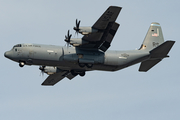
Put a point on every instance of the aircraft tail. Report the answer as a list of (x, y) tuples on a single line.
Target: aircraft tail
[(156, 55), (154, 37)]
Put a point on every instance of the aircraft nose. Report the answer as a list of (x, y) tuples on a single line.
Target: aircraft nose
[(6, 54)]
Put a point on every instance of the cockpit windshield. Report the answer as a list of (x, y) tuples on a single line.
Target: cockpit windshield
[(18, 45)]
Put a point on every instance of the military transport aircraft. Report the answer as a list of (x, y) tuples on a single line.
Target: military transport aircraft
[(91, 51)]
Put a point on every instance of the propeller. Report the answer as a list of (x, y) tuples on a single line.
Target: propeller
[(77, 26), (68, 38), (42, 68)]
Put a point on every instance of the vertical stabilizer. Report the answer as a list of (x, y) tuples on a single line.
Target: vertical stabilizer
[(154, 37)]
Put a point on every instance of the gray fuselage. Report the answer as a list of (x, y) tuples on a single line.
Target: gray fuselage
[(68, 58)]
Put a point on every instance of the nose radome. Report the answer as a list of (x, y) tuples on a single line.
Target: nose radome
[(6, 54)]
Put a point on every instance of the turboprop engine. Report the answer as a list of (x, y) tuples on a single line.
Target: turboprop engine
[(83, 30), (74, 41), (49, 70), (77, 42), (86, 30)]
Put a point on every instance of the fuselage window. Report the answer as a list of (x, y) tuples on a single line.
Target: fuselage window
[(16, 50)]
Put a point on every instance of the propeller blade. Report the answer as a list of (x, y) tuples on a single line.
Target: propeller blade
[(42, 68), (78, 24), (68, 33), (41, 73), (76, 28), (68, 38)]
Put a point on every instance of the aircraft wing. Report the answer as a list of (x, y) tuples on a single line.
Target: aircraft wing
[(55, 78), (106, 27)]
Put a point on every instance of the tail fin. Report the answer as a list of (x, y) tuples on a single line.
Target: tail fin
[(154, 37)]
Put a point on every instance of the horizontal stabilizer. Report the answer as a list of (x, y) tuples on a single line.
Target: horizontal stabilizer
[(146, 65), (156, 55), (162, 50)]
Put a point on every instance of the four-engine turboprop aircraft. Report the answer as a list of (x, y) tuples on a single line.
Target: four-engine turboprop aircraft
[(91, 51)]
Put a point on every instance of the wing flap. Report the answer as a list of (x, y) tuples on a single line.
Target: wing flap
[(101, 40), (108, 37), (106, 27)]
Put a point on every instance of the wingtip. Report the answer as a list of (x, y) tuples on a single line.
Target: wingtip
[(46, 85), (155, 24), (115, 7)]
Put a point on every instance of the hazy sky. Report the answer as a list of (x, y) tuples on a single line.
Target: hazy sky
[(123, 95)]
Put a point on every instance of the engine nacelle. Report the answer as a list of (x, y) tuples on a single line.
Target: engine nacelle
[(51, 70), (77, 41), (87, 30)]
